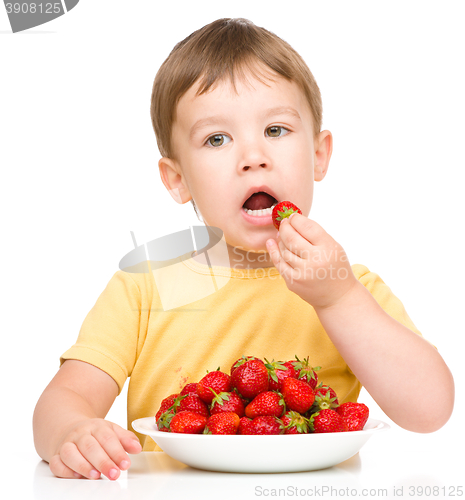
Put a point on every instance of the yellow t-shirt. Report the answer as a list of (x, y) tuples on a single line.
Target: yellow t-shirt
[(134, 331)]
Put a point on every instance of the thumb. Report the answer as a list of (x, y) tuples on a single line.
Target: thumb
[(308, 228)]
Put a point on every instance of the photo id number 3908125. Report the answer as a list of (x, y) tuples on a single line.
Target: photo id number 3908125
[(34, 8), (434, 491)]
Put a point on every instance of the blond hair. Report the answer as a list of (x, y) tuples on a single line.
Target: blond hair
[(221, 49)]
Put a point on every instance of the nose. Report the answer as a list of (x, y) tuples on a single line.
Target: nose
[(253, 156), (246, 167)]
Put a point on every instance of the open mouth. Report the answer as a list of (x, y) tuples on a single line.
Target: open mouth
[(260, 203)]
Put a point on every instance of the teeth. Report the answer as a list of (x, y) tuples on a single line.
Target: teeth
[(257, 213)]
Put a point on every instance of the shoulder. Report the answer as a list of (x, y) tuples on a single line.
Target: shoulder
[(373, 283), (383, 295), (132, 285), (368, 278)]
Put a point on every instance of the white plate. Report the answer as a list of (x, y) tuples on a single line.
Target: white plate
[(283, 453)]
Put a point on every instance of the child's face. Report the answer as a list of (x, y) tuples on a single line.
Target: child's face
[(229, 145)]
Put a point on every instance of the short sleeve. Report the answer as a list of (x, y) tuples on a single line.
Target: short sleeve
[(384, 296), (109, 334)]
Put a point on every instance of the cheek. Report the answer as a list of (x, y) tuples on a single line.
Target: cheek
[(208, 190), (297, 149), (302, 188)]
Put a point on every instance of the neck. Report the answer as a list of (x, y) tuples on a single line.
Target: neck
[(235, 258)]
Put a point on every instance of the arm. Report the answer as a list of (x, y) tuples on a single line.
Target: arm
[(403, 373), (69, 427), (401, 370)]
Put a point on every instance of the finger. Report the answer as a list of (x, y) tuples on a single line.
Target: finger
[(92, 451), (289, 256), (282, 266), (295, 242), (128, 439), (72, 458), (112, 446), (308, 228), (59, 469)]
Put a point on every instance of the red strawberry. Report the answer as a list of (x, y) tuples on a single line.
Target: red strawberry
[(164, 420), (227, 402), (355, 415), (294, 423), (245, 426), (250, 378), (327, 421), (222, 423), (278, 371), (218, 381), (325, 398), (189, 389), (241, 361), (297, 394), (283, 210), (306, 372), (165, 404), (188, 422), (266, 403), (193, 403), (266, 425)]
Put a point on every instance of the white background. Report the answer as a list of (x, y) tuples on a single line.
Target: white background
[(79, 171)]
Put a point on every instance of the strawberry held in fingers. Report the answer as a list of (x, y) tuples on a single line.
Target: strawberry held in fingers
[(282, 211)]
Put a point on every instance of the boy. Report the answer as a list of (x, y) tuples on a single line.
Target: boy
[(237, 115)]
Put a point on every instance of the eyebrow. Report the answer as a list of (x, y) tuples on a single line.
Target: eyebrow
[(218, 119), (282, 110), (205, 122)]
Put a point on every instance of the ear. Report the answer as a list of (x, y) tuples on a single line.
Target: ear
[(323, 151), (174, 181)]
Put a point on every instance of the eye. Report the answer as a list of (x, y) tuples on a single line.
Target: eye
[(218, 140), (276, 131)]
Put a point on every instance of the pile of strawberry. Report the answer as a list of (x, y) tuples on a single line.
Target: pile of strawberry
[(259, 397)]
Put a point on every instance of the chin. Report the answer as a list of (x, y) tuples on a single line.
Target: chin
[(259, 248)]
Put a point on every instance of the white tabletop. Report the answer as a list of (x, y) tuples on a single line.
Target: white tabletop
[(392, 464)]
